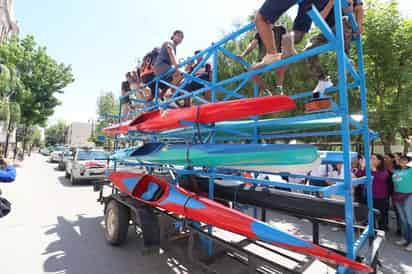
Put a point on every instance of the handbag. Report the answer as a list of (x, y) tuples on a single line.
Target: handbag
[(5, 207)]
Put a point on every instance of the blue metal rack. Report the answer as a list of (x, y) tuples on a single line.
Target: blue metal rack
[(348, 126)]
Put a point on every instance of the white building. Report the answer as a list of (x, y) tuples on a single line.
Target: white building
[(78, 133)]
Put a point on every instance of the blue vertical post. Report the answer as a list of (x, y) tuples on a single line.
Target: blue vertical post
[(214, 81), (366, 134), (344, 112), (211, 197)]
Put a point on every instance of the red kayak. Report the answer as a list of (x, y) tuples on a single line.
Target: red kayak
[(159, 193), (121, 128), (160, 120)]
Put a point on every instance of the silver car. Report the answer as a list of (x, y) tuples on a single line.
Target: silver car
[(56, 153), (87, 164), (66, 156)]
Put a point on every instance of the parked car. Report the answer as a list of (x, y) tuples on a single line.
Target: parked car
[(45, 151), (56, 153), (87, 164), (66, 156)]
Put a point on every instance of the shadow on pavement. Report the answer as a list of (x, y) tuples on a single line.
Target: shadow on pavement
[(81, 248), (66, 182)]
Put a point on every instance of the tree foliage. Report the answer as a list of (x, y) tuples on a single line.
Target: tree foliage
[(107, 104), (56, 134), (31, 79)]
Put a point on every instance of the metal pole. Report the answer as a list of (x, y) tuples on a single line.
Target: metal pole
[(344, 112)]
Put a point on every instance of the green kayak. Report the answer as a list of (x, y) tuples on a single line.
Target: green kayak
[(222, 154), (266, 126)]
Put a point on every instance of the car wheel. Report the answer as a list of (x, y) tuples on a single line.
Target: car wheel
[(73, 180), (116, 220)]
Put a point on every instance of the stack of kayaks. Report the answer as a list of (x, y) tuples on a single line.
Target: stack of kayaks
[(156, 192)]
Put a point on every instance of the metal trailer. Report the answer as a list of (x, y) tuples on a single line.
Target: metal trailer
[(339, 109), (161, 229)]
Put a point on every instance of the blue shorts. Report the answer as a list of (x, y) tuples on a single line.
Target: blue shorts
[(271, 10)]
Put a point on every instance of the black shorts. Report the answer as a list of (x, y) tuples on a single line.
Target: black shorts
[(302, 21), (126, 99), (193, 85), (271, 10), (146, 79)]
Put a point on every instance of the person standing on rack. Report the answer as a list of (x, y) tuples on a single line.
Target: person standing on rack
[(284, 41), (204, 73), (315, 66), (278, 32), (380, 188), (402, 180), (147, 69), (125, 89), (167, 60), (269, 13)]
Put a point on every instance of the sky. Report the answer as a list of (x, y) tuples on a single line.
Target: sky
[(103, 39)]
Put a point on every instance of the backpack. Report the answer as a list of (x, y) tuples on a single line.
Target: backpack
[(148, 62)]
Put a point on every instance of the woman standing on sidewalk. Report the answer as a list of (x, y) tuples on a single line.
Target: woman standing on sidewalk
[(402, 180), (380, 188)]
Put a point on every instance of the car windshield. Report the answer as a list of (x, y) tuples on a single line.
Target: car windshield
[(92, 155), (58, 149)]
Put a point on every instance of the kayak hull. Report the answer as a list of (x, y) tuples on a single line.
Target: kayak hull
[(270, 198), (160, 120), (180, 201), (226, 155), (267, 126)]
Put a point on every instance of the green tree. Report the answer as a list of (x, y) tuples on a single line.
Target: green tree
[(388, 67), (36, 79), (56, 133), (36, 138), (107, 109)]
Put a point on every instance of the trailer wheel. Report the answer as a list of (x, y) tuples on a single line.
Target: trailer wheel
[(116, 219)]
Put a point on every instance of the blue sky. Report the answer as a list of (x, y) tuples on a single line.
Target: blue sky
[(102, 39)]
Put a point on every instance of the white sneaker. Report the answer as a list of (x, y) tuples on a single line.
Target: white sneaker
[(321, 87), (402, 242), (409, 247)]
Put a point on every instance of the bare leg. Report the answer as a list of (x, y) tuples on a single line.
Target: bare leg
[(259, 81), (266, 34)]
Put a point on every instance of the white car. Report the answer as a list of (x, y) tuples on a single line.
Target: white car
[(55, 155), (87, 164)]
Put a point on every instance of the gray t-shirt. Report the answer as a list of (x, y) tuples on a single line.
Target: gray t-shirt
[(163, 62)]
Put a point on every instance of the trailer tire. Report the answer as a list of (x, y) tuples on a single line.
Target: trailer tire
[(116, 220)]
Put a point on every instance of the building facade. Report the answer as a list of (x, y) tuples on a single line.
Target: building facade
[(78, 133)]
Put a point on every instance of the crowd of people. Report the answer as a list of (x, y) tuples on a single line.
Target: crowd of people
[(274, 42), (391, 188)]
